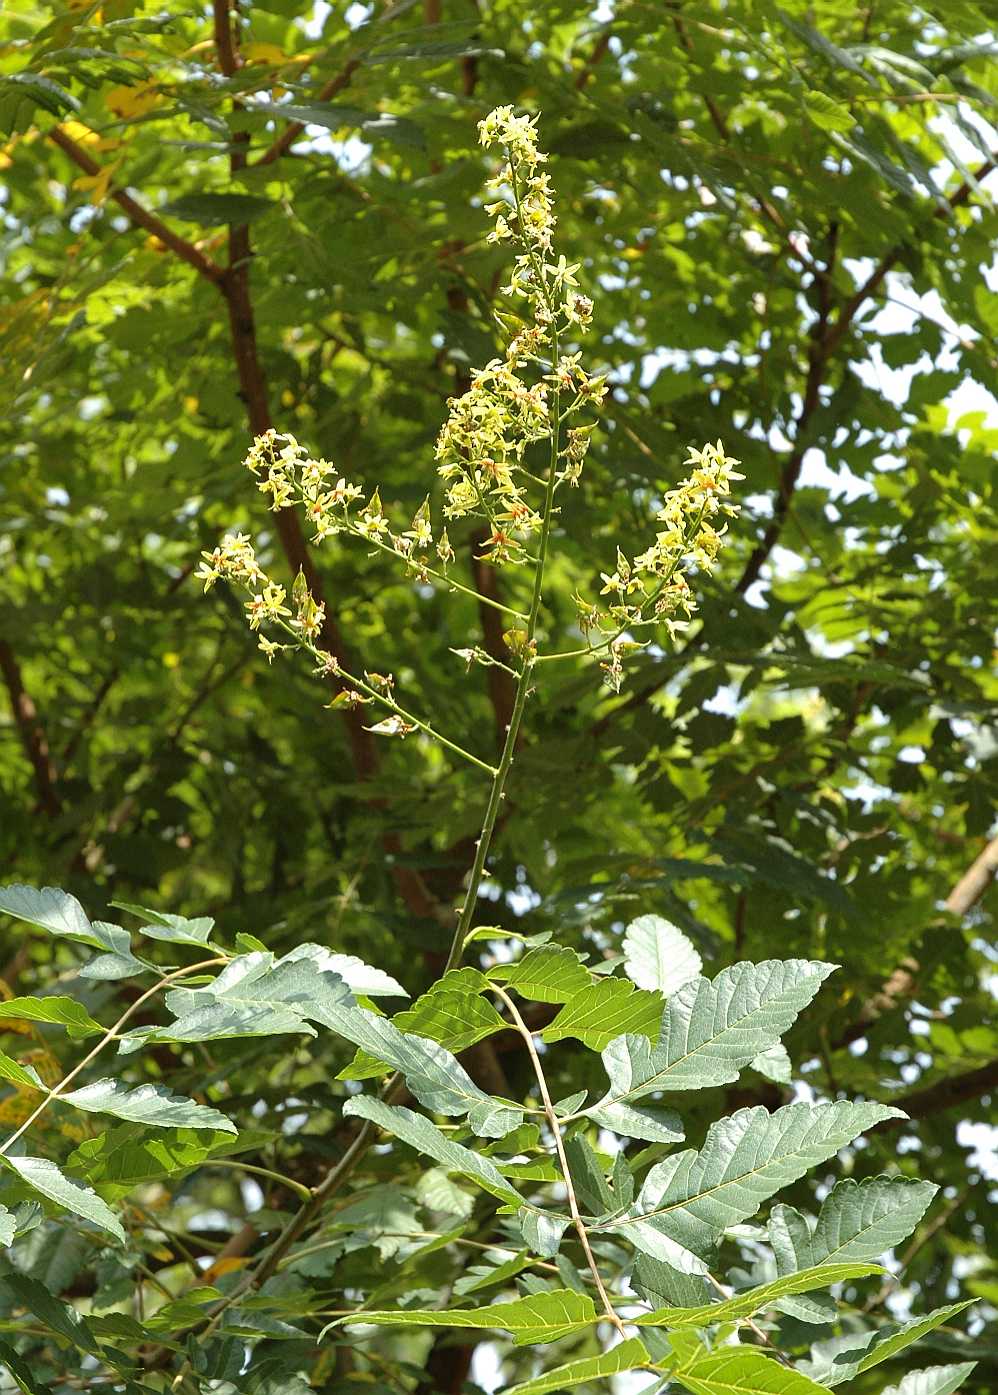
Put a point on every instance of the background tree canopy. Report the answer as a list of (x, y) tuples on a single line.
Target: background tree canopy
[(785, 218)]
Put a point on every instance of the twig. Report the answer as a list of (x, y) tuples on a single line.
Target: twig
[(555, 1127), (138, 214), (109, 1036)]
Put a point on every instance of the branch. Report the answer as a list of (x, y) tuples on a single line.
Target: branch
[(975, 881), (137, 214), (902, 982), (945, 1095), (589, 67), (873, 282), (31, 732), (235, 287), (819, 356)]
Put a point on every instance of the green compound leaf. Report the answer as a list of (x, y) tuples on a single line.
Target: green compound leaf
[(628, 1356), (153, 1105), (550, 974), (658, 956), (712, 1028), (935, 1380), (254, 989), (44, 1177), (57, 1316), (21, 1373), (174, 929), (841, 1358), (744, 1305), (452, 1013), (859, 1220), (64, 1012), (605, 1010), (690, 1198), (424, 1136), (50, 909), (741, 1371), (543, 1317)]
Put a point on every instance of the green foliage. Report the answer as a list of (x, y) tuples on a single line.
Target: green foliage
[(202, 241)]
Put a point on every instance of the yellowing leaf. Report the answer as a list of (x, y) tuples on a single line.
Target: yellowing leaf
[(133, 101), (264, 53), (99, 184)]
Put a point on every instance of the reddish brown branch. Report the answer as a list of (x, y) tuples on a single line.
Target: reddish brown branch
[(588, 68), (137, 214), (945, 1095), (235, 287), (876, 278), (31, 732)]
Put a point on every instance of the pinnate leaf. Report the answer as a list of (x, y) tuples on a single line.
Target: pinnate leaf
[(627, 1356), (543, 1317), (690, 1198), (259, 988), (841, 1358), (421, 1134), (658, 956), (153, 1105), (859, 1220), (604, 1010), (42, 1176), (712, 1028)]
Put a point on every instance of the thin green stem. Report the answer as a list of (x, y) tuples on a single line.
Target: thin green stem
[(439, 576), (690, 533), (497, 792), (342, 1171), (386, 700), (108, 1036), (555, 1127), (298, 1188)]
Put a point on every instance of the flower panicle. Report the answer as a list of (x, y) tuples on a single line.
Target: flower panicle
[(484, 444), (533, 392), (652, 588)]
